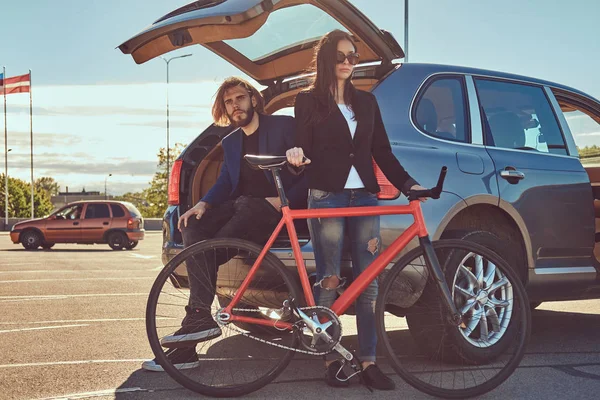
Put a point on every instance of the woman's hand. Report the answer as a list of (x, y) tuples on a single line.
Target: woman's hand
[(198, 210), (295, 157), (419, 187)]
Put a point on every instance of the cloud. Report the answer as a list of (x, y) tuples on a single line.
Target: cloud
[(21, 139), (172, 124), (99, 111)]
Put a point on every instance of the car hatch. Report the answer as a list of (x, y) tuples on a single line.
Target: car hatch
[(269, 40)]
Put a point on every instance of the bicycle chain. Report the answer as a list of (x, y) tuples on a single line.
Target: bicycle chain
[(312, 353)]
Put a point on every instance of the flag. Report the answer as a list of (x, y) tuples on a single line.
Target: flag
[(16, 84)]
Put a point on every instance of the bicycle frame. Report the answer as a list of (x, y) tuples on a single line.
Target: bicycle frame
[(417, 228)]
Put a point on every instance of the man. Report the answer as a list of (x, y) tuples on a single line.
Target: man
[(243, 204)]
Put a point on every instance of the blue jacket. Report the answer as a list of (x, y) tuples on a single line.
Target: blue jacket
[(276, 136)]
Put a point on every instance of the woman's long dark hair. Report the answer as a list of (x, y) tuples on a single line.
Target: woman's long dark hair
[(324, 85)]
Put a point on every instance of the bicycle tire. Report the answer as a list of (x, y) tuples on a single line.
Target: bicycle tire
[(414, 365), (271, 264)]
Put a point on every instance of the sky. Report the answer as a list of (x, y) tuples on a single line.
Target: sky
[(96, 112)]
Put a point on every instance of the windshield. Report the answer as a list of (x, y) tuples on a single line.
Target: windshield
[(286, 28)]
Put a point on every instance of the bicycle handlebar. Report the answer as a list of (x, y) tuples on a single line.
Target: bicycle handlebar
[(434, 192)]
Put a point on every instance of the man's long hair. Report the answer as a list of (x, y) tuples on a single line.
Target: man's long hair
[(219, 111)]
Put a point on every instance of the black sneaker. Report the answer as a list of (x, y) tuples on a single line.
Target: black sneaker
[(335, 375), (197, 326), (182, 358), (376, 379)]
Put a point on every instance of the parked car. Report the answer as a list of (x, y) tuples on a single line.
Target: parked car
[(515, 182), (118, 223)]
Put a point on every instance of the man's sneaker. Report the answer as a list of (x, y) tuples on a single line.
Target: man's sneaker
[(335, 375), (376, 379), (182, 358), (197, 326)]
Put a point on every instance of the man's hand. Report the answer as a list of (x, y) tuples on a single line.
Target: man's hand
[(295, 156), (419, 187), (198, 210), (275, 202)]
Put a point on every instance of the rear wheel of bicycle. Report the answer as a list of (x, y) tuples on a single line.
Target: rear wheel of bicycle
[(232, 364), (445, 360)]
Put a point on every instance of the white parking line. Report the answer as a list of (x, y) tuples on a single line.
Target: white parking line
[(6, 299), (77, 279), (83, 320), (11, 264), (77, 271), (135, 255), (99, 393), (44, 364), (43, 327)]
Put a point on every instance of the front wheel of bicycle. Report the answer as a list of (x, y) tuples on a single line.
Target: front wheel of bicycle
[(435, 356), (232, 364)]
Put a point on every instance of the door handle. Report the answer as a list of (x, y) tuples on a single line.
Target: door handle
[(105, 223), (512, 175), (75, 223)]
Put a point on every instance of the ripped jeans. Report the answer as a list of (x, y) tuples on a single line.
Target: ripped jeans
[(328, 239)]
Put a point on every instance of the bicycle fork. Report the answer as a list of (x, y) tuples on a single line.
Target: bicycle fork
[(431, 259)]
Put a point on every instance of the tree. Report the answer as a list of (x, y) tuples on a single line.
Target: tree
[(47, 184), (153, 201), (19, 199)]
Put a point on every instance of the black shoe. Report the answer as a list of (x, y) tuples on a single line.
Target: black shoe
[(197, 326), (182, 358), (335, 376), (376, 379)]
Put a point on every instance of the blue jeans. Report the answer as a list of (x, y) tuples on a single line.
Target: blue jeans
[(328, 238)]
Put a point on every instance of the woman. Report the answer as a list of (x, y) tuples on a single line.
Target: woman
[(339, 130)]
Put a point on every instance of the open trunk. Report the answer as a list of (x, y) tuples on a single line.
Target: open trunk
[(594, 174)]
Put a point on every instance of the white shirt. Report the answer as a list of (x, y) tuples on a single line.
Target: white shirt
[(353, 181)]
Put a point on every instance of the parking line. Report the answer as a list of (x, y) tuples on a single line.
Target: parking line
[(84, 320), (44, 364), (6, 265), (39, 328), (78, 270), (6, 299), (77, 279), (99, 393)]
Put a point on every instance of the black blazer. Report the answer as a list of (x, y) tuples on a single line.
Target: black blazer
[(332, 151)]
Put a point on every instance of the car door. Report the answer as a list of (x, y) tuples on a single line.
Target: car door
[(64, 226), (540, 177), (96, 222), (268, 40)]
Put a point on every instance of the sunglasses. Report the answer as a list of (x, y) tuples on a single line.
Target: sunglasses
[(352, 58)]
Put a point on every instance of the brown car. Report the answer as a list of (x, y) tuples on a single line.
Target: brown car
[(117, 223)]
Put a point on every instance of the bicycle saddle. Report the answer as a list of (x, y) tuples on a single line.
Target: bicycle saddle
[(265, 162)]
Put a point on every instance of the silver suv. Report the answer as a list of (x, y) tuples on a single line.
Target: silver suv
[(515, 182)]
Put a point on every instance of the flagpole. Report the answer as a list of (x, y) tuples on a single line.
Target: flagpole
[(31, 142), (5, 151)]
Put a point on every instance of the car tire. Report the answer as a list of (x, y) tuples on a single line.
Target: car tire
[(47, 246), (31, 240), (416, 321), (131, 244), (117, 240)]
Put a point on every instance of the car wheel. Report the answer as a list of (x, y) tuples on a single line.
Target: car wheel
[(47, 246), (31, 240), (117, 240), (420, 325), (131, 244)]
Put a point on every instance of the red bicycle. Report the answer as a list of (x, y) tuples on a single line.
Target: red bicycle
[(452, 317)]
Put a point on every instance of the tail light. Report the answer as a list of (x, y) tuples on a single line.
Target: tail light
[(174, 183), (130, 224), (388, 191), (134, 223)]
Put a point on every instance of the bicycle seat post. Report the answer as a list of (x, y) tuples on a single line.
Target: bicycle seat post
[(277, 178)]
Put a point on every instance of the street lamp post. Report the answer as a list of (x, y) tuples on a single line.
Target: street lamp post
[(105, 192), (405, 31), (167, 61)]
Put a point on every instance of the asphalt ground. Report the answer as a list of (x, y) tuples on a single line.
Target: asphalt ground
[(72, 326)]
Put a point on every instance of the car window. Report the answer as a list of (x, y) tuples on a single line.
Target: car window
[(286, 28), (440, 110), (133, 210), (97, 211), (585, 131), (71, 212), (518, 116), (117, 211)]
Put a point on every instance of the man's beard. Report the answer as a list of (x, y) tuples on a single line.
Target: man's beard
[(241, 123)]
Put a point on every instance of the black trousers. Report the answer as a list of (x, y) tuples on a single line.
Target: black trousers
[(249, 218)]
